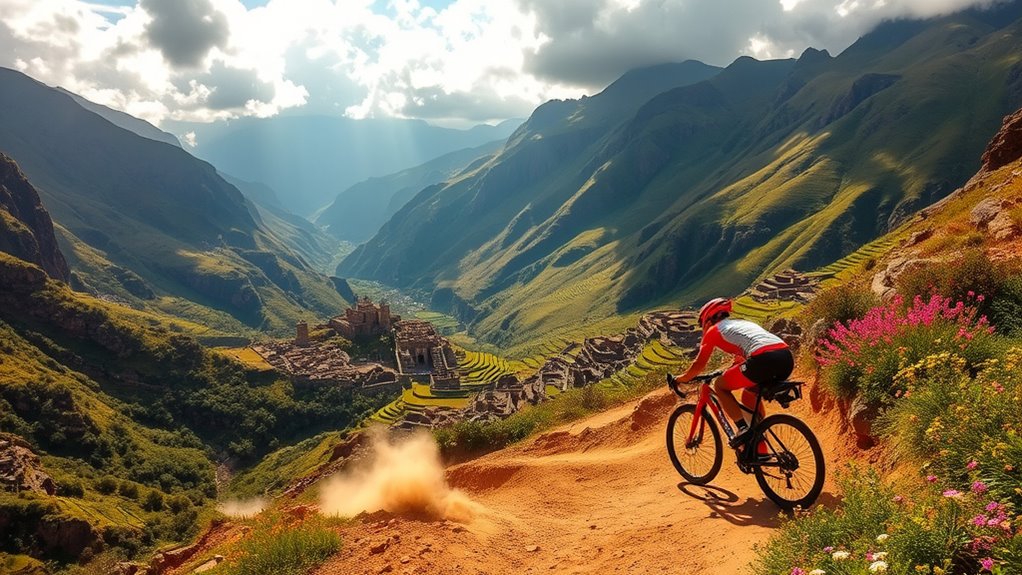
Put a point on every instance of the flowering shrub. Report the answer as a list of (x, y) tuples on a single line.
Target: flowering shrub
[(881, 530), (863, 355), (966, 429)]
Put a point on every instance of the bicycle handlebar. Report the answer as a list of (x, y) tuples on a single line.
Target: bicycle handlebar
[(705, 377)]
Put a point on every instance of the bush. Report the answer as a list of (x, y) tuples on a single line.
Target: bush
[(862, 356), (285, 550), (926, 529), (839, 304), (965, 429)]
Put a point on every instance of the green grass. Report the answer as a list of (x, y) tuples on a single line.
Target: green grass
[(277, 548)]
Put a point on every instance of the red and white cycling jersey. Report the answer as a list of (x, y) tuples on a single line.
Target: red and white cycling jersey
[(739, 337)]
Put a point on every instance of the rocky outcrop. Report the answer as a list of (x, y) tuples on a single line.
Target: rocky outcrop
[(26, 230), (1006, 147), (21, 469), (885, 281), (993, 215)]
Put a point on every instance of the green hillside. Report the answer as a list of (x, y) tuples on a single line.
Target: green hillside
[(145, 223), (149, 411), (595, 211)]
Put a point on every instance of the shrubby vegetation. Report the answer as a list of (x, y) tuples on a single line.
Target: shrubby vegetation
[(950, 398), (282, 547)]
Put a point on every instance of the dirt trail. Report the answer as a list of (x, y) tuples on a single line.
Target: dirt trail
[(598, 496)]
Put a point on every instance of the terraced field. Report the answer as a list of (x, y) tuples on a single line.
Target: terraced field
[(747, 308), (654, 357), (478, 369), (856, 262), (100, 513), (247, 356)]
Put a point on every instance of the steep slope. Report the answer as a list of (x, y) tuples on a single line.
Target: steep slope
[(705, 187), (126, 121), (26, 231), (128, 417), (144, 222), (359, 211), (310, 159)]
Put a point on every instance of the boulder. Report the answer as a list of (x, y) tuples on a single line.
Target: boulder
[(860, 416), (985, 211), (1003, 227), (885, 280)]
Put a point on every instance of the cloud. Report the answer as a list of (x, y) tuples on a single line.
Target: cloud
[(185, 30), (453, 62), (593, 42)]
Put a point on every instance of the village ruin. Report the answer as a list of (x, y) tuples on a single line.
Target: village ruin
[(312, 358)]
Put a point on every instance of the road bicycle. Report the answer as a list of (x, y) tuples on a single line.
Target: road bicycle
[(780, 450)]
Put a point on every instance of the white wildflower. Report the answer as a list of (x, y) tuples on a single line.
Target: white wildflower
[(882, 537), (841, 555), (817, 572), (880, 556), (878, 567)]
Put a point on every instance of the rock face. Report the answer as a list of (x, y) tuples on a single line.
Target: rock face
[(1006, 147), (20, 468), (26, 230), (993, 215)]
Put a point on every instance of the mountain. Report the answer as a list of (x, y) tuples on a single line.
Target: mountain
[(113, 422), (145, 223), (359, 211), (126, 121), (594, 211), (26, 231), (310, 159)]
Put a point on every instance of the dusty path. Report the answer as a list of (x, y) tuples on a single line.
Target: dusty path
[(599, 496)]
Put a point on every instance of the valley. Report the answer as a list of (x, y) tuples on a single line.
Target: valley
[(301, 343)]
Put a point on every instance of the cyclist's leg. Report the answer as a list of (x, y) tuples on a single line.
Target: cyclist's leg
[(732, 380)]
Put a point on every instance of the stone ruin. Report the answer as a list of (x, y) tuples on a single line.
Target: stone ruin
[(322, 363), (788, 285), (364, 319), (577, 365), (420, 350)]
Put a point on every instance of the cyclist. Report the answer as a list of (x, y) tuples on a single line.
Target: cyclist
[(760, 357)]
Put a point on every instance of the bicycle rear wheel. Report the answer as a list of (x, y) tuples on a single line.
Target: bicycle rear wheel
[(700, 461), (791, 470)]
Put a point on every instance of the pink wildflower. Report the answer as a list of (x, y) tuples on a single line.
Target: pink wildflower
[(979, 520), (992, 506), (979, 487), (987, 564), (797, 571), (898, 499), (931, 478), (828, 549), (972, 465), (980, 297), (950, 493)]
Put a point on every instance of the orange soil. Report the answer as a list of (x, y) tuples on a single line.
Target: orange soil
[(597, 496)]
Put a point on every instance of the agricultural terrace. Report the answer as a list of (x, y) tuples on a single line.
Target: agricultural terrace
[(478, 370)]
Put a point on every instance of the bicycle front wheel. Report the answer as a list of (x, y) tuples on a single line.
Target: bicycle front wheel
[(697, 461), (790, 467)]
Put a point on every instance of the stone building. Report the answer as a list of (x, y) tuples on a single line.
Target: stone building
[(364, 319), (420, 350)]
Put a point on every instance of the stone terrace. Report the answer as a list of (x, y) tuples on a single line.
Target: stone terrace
[(322, 363), (788, 285)]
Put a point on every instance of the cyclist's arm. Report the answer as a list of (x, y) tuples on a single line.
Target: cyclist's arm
[(705, 351)]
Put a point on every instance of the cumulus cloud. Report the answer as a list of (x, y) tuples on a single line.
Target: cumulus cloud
[(593, 42), (185, 30), (450, 61)]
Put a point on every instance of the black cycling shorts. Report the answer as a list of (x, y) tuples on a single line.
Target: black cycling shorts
[(769, 367)]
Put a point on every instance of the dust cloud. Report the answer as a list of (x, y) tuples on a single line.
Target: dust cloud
[(402, 476), (243, 507)]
